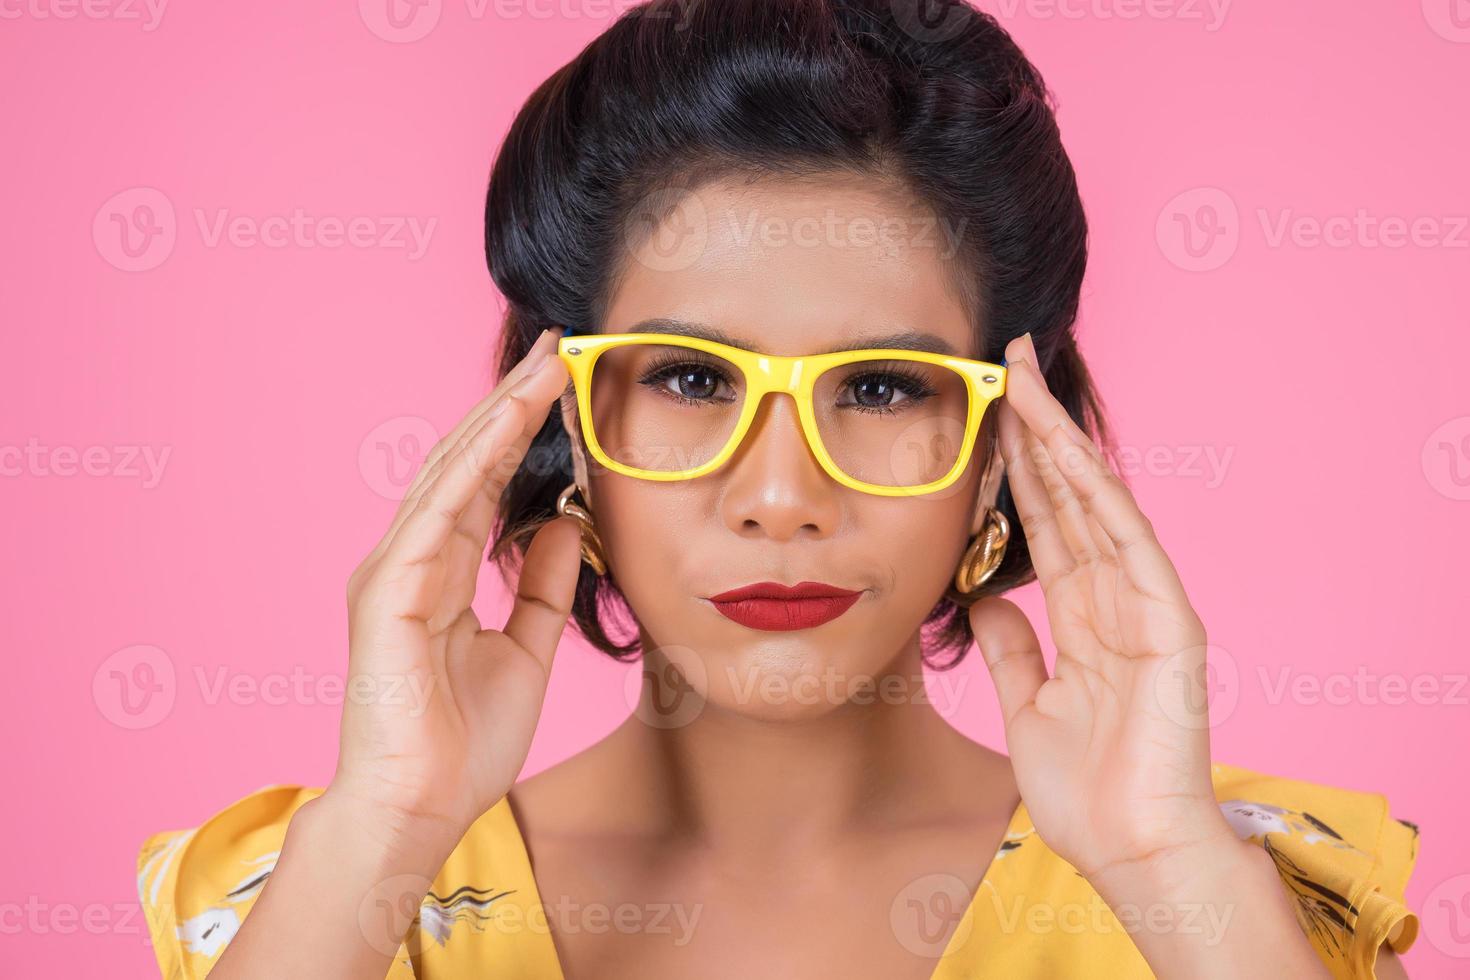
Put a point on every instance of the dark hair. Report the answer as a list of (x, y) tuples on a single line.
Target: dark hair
[(930, 95)]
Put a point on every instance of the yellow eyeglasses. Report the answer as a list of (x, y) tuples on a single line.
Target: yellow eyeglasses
[(659, 406)]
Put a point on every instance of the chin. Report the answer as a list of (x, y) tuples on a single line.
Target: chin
[(786, 677)]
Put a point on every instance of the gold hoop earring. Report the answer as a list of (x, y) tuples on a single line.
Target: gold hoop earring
[(984, 554), (591, 544)]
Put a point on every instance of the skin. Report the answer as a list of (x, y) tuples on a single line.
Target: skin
[(797, 820)]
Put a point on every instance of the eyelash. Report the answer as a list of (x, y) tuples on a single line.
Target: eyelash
[(671, 364), (910, 383)]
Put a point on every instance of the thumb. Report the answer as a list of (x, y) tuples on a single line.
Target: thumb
[(545, 588), (1011, 651)]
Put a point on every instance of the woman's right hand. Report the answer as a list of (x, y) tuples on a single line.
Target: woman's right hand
[(439, 713)]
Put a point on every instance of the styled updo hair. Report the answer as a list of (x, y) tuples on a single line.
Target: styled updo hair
[(929, 95)]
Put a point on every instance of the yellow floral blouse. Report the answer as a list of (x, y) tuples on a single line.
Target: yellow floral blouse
[(1340, 854)]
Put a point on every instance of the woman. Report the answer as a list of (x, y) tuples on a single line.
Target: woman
[(800, 280)]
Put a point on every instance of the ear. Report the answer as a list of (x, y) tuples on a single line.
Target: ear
[(989, 489)]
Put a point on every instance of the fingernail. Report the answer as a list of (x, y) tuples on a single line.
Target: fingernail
[(498, 408), (537, 361)]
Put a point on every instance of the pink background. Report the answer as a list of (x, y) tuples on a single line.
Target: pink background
[(1296, 405)]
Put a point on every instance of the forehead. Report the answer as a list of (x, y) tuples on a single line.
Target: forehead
[(787, 266)]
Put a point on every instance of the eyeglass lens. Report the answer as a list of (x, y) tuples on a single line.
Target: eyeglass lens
[(888, 422)]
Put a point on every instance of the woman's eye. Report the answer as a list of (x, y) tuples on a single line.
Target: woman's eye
[(690, 382), (696, 384), (874, 391)]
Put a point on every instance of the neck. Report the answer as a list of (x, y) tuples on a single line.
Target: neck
[(775, 766)]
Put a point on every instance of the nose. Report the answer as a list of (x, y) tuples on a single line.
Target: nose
[(774, 486)]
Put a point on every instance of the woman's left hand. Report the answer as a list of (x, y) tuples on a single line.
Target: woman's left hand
[(1111, 751)]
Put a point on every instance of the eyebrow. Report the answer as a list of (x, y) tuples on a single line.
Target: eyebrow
[(901, 340)]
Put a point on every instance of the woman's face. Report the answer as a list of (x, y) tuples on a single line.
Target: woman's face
[(785, 267)]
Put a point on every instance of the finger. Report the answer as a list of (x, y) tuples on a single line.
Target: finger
[(462, 559), (1101, 539), (536, 359), (472, 421), (545, 344), (534, 396), (545, 588), (1028, 394), (1050, 555), (466, 547), (1071, 516), (1103, 494), (1011, 650), (537, 391), (1083, 527), (436, 516), (1089, 480)]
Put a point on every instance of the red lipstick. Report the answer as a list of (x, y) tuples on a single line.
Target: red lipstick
[(773, 606)]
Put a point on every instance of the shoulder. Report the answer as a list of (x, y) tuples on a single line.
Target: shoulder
[(197, 883), (1342, 853), (1258, 804), (484, 906), (1343, 856)]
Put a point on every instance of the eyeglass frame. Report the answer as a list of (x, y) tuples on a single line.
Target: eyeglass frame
[(795, 375)]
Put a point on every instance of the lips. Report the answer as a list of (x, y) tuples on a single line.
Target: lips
[(772, 606)]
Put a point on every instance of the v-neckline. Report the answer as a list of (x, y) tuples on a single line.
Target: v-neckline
[(1018, 820)]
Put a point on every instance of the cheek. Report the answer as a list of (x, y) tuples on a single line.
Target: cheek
[(646, 533), (922, 543), (625, 514)]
